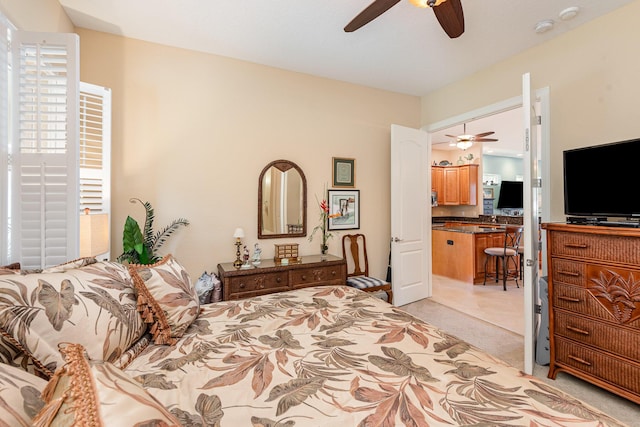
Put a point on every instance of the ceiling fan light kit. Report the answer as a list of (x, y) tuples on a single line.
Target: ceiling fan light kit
[(426, 3)]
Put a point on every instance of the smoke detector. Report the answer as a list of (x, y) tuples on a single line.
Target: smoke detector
[(544, 26), (569, 13)]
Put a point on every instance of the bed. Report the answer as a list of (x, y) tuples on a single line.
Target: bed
[(336, 356)]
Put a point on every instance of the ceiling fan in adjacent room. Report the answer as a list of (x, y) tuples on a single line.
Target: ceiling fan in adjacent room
[(466, 140), (448, 12)]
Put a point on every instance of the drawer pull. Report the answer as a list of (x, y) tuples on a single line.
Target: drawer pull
[(569, 299), (576, 245), (333, 272), (579, 331), (569, 273), (242, 286), (279, 279), (304, 277), (579, 360)]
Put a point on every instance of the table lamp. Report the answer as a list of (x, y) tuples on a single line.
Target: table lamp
[(238, 234)]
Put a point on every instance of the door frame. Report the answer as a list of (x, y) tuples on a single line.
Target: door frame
[(541, 97)]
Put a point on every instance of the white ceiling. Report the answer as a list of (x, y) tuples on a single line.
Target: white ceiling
[(404, 50)]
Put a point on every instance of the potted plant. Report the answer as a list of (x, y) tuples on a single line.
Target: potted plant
[(140, 247)]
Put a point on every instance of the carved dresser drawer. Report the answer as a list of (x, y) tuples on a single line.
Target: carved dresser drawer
[(594, 309), (270, 276), (317, 276), (258, 282)]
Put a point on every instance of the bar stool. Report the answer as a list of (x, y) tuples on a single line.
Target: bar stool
[(508, 252)]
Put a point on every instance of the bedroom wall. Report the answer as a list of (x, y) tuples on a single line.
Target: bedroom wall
[(50, 16), (192, 132), (592, 74)]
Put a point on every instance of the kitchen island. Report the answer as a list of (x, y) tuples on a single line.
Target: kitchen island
[(458, 249)]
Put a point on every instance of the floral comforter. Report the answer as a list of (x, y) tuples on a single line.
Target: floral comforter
[(335, 356)]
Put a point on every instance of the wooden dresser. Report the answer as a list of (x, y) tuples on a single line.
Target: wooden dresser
[(270, 277), (594, 305)]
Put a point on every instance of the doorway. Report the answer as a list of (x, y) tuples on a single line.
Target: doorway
[(466, 297)]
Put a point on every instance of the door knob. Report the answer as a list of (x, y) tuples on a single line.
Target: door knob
[(395, 239)]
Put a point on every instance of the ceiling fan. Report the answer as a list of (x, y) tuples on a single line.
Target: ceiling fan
[(448, 12), (466, 140)]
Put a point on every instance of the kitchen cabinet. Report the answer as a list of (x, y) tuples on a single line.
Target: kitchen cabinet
[(456, 185), (437, 181)]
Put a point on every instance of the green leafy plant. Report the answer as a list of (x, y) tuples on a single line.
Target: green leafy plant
[(139, 247)]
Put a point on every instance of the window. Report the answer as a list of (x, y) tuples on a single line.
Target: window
[(54, 149)]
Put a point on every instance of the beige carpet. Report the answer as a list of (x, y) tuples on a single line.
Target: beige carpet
[(508, 346)]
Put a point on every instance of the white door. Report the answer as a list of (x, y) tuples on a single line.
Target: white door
[(531, 214), (410, 215)]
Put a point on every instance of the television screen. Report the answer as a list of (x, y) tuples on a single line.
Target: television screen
[(601, 180), (510, 195)]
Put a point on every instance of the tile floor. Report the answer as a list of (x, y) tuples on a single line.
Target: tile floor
[(489, 303)]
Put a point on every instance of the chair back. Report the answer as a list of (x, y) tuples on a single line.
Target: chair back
[(355, 245), (512, 237)]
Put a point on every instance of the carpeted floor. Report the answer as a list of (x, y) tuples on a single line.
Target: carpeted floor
[(508, 346)]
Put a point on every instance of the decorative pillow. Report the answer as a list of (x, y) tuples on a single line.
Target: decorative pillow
[(70, 265), (94, 305), (166, 298), (88, 393), (19, 396)]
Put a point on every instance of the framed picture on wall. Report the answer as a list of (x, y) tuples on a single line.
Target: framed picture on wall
[(344, 209), (344, 172)]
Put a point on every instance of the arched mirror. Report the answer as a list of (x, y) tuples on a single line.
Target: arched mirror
[(282, 201)]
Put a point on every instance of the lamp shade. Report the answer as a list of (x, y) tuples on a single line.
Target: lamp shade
[(94, 234), (239, 233)]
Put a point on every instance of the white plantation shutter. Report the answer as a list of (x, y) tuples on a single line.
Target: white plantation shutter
[(44, 151), (95, 148), (95, 151), (5, 26)]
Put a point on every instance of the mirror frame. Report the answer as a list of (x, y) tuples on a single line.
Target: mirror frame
[(283, 165)]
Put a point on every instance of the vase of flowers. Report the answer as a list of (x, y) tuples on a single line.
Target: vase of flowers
[(323, 228)]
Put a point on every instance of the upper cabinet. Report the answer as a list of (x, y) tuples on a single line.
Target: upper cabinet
[(455, 185)]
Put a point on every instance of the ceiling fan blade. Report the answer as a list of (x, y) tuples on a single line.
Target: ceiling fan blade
[(451, 136), (450, 17), (372, 11), (485, 140), (483, 134)]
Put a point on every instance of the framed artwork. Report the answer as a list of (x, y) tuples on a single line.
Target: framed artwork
[(344, 209), (344, 172), (487, 193)]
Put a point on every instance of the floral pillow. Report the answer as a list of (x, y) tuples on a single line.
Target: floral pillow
[(166, 298), (94, 305), (88, 393), (20, 398)]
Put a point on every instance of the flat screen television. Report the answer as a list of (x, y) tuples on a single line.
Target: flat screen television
[(510, 195), (602, 180)]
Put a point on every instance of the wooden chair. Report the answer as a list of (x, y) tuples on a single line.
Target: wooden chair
[(508, 252), (356, 246)]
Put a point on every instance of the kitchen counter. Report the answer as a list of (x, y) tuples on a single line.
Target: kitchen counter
[(458, 249), (473, 229)]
